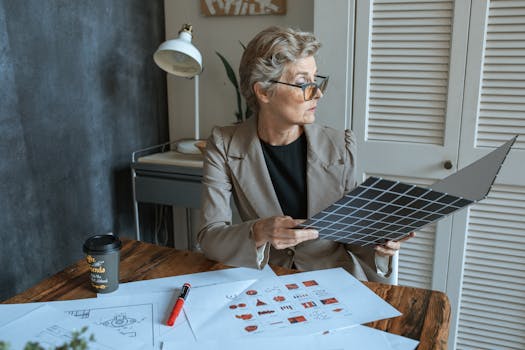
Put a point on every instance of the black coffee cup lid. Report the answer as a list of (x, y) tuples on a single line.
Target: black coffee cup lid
[(101, 244)]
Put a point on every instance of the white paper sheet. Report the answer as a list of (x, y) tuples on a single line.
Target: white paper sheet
[(354, 338), (139, 309), (51, 328), (299, 304), (128, 316), (195, 279), (358, 337), (398, 342)]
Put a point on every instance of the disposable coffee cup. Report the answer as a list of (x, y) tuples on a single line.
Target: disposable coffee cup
[(103, 256)]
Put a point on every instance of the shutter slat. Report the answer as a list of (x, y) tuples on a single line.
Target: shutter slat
[(409, 54), (506, 4), (503, 76), (496, 253), (435, 83), (402, 131), (502, 67), (403, 117), (501, 122), (412, 89), (508, 60), (488, 91), (505, 53), (426, 67), (414, 96), (507, 12), (505, 20), (506, 28), (473, 286), (402, 6), (401, 29), (503, 314), (406, 1), (501, 129), (407, 110), (495, 37)]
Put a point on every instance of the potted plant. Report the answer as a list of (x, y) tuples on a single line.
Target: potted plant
[(241, 114)]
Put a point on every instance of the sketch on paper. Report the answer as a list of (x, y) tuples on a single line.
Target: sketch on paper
[(134, 321), (51, 329), (53, 335)]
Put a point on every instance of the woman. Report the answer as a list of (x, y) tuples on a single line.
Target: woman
[(281, 168)]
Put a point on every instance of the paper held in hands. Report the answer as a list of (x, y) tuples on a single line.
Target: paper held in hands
[(379, 210)]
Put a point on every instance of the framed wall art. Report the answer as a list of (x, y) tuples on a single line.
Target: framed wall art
[(243, 7)]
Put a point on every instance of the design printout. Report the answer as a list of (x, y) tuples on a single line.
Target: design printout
[(298, 304)]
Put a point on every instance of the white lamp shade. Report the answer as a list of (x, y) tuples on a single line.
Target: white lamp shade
[(179, 57)]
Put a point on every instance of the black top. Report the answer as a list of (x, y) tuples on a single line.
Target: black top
[(287, 167)]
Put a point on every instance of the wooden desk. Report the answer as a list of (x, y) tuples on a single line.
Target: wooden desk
[(426, 314)]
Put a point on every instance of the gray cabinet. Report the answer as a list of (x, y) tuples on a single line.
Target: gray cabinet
[(168, 178)]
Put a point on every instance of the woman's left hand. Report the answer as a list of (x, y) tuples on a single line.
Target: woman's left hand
[(391, 247)]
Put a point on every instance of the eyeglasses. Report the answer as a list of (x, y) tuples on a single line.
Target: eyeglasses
[(309, 89)]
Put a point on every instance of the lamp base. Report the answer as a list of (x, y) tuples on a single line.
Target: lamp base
[(190, 146)]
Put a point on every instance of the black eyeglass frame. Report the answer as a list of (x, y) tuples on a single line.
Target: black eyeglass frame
[(323, 84)]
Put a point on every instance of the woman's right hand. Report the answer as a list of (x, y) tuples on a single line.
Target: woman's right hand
[(281, 232)]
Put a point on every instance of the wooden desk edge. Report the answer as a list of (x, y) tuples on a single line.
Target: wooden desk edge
[(431, 328)]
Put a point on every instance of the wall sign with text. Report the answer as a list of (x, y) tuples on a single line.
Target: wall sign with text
[(243, 7)]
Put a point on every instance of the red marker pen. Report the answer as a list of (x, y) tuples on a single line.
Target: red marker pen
[(178, 304)]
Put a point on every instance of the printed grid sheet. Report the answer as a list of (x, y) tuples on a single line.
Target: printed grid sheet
[(379, 210)]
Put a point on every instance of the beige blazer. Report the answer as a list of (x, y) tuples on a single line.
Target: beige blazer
[(234, 166)]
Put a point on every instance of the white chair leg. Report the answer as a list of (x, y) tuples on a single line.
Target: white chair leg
[(395, 268)]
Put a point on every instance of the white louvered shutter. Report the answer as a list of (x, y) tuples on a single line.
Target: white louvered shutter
[(502, 104), (409, 71), (492, 309), (407, 99), (492, 290), (408, 112)]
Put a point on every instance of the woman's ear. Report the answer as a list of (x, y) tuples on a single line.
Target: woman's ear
[(263, 95)]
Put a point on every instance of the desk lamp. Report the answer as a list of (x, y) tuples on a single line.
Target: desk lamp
[(179, 57)]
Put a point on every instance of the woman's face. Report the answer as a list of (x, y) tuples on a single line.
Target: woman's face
[(285, 104)]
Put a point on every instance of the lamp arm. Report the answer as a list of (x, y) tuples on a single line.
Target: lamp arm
[(197, 124)]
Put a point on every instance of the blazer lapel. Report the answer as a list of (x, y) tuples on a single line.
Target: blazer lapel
[(250, 172), (325, 164)]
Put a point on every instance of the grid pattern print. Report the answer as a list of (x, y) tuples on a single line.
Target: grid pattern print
[(379, 210)]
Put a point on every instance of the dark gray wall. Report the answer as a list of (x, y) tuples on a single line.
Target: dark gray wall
[(79, 93)]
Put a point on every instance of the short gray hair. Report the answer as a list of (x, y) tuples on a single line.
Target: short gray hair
[(267, 54)]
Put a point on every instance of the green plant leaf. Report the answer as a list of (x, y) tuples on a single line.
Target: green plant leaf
[(231, 75), (229, 70)]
